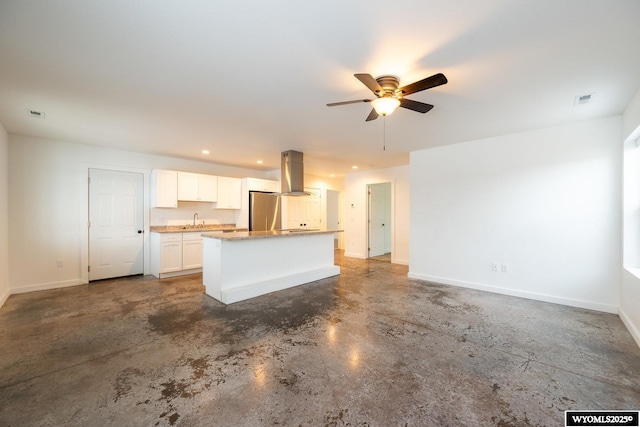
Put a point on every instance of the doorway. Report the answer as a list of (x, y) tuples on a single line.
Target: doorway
[(379, 221), (333, 216), (116, 224)]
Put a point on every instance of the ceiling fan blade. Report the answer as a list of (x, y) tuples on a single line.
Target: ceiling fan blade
[(428, 83), (372, 115), (333, 104), (420, 107), (370, 82)]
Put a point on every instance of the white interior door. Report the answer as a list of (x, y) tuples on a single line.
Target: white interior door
[(378, 223), (295, 212), (333, 214), (116, 224), (304, 211), (313, 208)]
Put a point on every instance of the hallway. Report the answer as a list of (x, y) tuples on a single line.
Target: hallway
[(369, 347)]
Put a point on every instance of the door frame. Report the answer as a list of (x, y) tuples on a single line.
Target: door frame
[(391, 218), (83, 185)]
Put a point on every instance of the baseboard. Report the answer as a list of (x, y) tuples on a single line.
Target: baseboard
[(354, 255), (47, 286), (179, 273), (4, 296), (240, 293), (522, 294), (400, 261), (633, 329)]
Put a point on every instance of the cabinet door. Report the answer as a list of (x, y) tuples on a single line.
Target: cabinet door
[(229, 193), (188, 186), (171, 257), (266, 185), (273, 186), (191, 254), (207, 188), (164, 193)]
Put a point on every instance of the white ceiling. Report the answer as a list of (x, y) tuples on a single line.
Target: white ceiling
[(249, 79)]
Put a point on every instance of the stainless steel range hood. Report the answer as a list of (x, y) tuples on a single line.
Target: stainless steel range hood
[(292, 177)]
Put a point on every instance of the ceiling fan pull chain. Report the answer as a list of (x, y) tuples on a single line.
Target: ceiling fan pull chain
[(384, 134)]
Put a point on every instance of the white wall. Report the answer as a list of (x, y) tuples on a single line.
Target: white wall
[(4, 215), (355, 207), (48, 205), (185, 211), (630, 286), (544, 202)]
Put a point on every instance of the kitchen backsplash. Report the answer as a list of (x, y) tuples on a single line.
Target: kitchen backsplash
[(185, 211)]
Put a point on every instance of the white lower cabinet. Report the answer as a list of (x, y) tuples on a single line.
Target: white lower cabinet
[(175, 254), (171, 254), (191, 250)]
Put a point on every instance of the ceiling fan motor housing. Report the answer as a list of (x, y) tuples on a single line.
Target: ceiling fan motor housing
[(389, 85)]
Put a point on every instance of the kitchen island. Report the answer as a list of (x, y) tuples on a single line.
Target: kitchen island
[(243, 265)]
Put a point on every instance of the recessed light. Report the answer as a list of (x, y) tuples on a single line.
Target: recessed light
[(259, 162), (333, 175), (354, 167), (205, 151)]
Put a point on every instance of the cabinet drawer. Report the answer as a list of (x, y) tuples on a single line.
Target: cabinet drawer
[(186, 237), (171, 237)]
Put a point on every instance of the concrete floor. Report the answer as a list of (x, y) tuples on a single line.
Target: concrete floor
[(370, 347)]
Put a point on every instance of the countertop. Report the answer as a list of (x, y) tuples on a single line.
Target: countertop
[(249, 235), (191, 229)]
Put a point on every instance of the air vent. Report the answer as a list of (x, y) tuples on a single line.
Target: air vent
[(36, 114), (583, 99)]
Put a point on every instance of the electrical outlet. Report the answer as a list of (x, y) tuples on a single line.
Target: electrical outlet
[(60, 263), (504, 268), (495, 266)]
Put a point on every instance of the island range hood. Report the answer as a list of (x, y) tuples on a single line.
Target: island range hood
[(292, 177)]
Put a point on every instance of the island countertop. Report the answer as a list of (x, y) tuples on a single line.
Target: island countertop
[(251, 235)]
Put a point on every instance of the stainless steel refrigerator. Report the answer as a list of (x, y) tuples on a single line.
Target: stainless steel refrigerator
[(264, 211)]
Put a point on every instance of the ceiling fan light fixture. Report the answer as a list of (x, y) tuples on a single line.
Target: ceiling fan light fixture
[(385, 105)]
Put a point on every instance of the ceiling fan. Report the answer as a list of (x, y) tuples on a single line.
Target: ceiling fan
[(389, 96)]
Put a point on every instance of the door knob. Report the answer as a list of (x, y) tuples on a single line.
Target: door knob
[(139, 231)]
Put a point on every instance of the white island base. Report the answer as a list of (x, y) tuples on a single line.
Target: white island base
[(239, 266)]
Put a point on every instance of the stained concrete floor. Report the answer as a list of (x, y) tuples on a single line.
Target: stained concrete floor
[(368, 348)]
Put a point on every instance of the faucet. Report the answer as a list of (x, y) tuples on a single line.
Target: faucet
[(195, 215)]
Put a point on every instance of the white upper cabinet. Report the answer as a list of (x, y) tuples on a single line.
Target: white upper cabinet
[(187, 186), (164, 189), (229, 193), (208, 188), (195, 187), (257, 184)]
